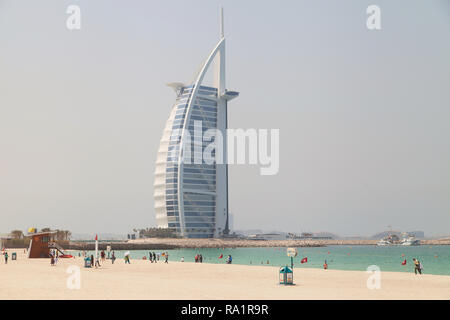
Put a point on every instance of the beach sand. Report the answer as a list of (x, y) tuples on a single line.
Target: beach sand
[(36, 279)]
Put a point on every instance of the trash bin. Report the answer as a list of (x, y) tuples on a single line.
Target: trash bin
[(286, 276), (14, 256), (87, 262)]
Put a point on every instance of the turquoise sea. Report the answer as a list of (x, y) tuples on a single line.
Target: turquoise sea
[(435, 259)]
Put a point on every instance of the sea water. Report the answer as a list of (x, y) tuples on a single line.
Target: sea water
[(435, 259)]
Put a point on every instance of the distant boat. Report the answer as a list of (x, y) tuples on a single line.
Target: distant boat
[(389, 240), (394, 240), (410, 241)]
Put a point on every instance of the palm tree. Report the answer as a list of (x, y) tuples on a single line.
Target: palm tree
[(17, 234)]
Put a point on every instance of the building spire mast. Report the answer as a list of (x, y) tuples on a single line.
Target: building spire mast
[(222, 33)]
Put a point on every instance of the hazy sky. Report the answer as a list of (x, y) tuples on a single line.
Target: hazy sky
[(364, 116)]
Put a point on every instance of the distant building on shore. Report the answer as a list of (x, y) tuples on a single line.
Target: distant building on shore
[(191, 196), (267, 236), (309, 235)]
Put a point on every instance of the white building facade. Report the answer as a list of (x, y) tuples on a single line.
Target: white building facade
[(191, 197)]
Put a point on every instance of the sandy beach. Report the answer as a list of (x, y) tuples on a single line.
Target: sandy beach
[(36, 279)]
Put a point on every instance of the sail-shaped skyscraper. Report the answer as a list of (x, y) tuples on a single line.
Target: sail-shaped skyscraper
[(191, 197)]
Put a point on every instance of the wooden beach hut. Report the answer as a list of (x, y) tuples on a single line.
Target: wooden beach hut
[(41, 243)]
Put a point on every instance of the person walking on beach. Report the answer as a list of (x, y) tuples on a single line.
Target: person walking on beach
[(325, 265), (92, 260), (417, 266), (6, 257), (182, 259), (150, 257), (167, 257), (102, 254), (200, 258), (154, 257), (113, 257)]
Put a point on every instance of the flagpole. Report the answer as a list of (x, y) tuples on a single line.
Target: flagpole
[(96, 249)]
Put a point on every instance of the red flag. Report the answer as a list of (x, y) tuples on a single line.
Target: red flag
[(304, 260), (96, 238), (404, 262), (221, 256)]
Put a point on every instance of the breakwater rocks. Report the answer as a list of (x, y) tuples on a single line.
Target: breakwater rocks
[(170, 243), (227, 243), (118, 246)]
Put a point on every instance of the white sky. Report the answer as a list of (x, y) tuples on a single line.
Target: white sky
[(364, 116)]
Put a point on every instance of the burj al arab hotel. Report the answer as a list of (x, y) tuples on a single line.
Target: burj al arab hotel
[(191, 198)]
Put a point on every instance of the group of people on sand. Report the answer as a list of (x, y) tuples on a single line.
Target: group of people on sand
[(198, 258), (153, 257), (93, 262)]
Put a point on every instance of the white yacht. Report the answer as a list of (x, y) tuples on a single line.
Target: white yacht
[(410, 241), (389, 240), (394, 240)]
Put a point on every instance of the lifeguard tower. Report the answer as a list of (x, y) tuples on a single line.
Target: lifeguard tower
[(41, 243)]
